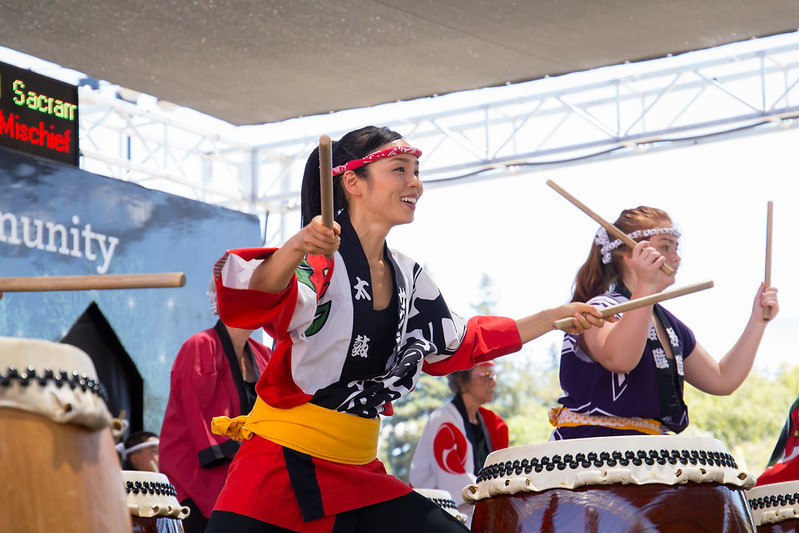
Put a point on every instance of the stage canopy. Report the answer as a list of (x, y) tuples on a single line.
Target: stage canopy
[(258, 61)]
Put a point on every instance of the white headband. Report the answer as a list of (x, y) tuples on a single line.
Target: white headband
[(601, 239), (126, 452), (212, 299)]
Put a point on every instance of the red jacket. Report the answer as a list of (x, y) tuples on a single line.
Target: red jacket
[(202, 385)]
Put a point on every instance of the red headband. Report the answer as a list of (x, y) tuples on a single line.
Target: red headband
[(374, 156)]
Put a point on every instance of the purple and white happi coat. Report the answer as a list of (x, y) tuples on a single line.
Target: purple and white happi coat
[(653, 389)]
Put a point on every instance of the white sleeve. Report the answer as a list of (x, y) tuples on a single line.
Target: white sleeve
[(421, 475), (426, 473)]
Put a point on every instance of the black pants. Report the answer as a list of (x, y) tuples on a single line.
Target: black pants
[(195, 522), (412, 513)]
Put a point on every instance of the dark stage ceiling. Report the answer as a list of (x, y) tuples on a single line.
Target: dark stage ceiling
[(258, 61)]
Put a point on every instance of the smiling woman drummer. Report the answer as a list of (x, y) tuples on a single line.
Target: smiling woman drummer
[(355, 324)]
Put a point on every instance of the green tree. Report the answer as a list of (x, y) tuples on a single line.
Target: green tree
[(748, 422), (527, 386)]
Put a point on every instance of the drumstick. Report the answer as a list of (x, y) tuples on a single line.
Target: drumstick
[(610, 228), (565, 323), (326, 180), (98, 282), (767, 278)]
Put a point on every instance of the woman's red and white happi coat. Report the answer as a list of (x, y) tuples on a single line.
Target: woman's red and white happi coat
[(323, 324)]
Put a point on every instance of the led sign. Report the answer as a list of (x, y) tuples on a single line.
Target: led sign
[(38, 115)]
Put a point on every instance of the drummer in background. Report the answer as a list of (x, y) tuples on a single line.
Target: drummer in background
[(627, 377), (355, 323), (783, 465), (213, 374), (139, 452), (459, 435)]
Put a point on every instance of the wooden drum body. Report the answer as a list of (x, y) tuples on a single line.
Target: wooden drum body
[(153, 503), (58, 466), (775, 507), (612, 485)]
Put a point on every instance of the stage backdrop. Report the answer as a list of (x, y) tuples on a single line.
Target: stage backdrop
[(59, 220)]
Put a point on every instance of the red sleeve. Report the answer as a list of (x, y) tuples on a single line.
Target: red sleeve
[(487, 337), (497, 429), (254, 309), (782, 471)]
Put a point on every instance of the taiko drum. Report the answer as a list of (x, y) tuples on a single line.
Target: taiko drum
[(612, 485), (58, 465)]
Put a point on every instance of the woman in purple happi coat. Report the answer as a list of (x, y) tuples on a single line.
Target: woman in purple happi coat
[(627, 377)]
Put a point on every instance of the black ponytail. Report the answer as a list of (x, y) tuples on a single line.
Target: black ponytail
[(310, 194)]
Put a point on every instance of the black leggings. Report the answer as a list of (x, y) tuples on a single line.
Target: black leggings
[(410, 513), (195, 522)]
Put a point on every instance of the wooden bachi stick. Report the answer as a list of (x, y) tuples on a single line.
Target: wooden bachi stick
[(98, 282), (565, 323), (326, 177), (767, 278), (326, 180), (609, 227)]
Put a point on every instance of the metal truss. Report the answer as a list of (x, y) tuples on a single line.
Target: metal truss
[(734, 90)]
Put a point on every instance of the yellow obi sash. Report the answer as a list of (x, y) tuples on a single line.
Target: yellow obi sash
[(562, 417), (307, 428)]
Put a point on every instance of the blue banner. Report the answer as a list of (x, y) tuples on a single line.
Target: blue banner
[(58, 220)]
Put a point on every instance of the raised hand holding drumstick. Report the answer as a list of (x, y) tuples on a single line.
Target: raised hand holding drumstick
[(766, 303), (318, 236)]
